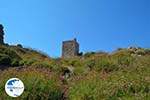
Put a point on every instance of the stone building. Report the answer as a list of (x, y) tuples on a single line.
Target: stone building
[(70, 48), (1, 34)]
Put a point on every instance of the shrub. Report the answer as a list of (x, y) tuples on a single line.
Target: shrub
[(41, 89), (27, 62), (73, 62), (106, 65), (123, 58), (147, 51), (39, 84), (79, 70), (87, 89), (140, 52), (5, 59), (10, 52), (88, 54), (41, 64), (90, 63), (14, 62), (8, 56), (19, 45)]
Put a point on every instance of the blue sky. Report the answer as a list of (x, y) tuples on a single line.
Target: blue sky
[(98, 25)]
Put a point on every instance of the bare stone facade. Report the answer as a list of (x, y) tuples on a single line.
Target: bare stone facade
[(1, 34), (70, 48)]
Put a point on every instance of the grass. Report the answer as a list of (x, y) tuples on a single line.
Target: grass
[(39, 85), (121, 75)]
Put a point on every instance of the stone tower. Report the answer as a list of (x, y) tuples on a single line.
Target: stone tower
[(70, 48), (1, 34)]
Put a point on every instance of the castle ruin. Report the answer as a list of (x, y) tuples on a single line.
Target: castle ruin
[(1, 34), (70, 48)]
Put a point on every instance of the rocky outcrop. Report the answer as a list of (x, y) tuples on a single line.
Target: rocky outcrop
[(1, 34)]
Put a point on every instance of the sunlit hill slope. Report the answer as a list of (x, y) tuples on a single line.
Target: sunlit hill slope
[(121, 75)]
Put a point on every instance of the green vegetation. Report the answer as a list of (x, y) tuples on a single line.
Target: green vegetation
[(8, 56), (121, 75), (39, 85)]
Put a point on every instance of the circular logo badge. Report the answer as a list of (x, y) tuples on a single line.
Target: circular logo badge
[(14, 87)]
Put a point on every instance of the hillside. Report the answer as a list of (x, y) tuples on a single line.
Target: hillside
[(121, 75)]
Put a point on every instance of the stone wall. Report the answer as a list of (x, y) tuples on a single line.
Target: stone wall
[(70, 48)]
